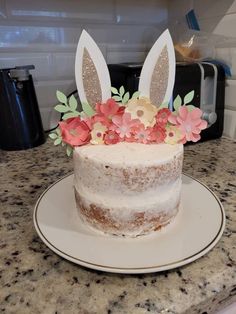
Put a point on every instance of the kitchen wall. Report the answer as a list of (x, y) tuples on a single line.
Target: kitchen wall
[(219, 18), (45, 33)]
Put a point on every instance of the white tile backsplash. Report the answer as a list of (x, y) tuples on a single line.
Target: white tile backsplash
[(42, 62), (230, 95), (46, 91), (133, 11), (46, 33), (102, 10), (230, 123)]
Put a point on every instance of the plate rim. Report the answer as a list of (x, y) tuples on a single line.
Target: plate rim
[(130, 270)]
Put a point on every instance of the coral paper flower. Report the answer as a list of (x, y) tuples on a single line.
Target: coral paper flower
[(74, 131), (157, 134), (123, 125), (111, 137), (142, 135), (162, 116), (143, 110), (173, 135), (189, 123), (108, 109), (97, 133)]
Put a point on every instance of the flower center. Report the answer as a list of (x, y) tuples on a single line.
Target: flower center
[(188, 128), (99, 134), (140, 113), (73, 132), (171, 134), (141, 135), (111, 137)]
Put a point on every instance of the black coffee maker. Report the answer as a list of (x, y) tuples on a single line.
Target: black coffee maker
[(20, 120)]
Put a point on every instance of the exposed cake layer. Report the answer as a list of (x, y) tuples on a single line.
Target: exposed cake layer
[(123, 206), (132, 224), (128, 188), (126, 168)]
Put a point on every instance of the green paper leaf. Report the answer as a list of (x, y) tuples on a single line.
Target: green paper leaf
[(121, 91), (61, 108), (87, 109), (58, 141), (70, 115), (177, 103), (125, 98), (53, 136), (163, 105), (114, 91), (58, 131), (117, 98), (136, 95), (69, 150), (189, 97), (73, 103), (190, 107), (61, 97)]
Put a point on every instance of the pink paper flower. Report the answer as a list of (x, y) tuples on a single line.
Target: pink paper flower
[(111, 137), (189, 123), (75, 132), (162, 116), (109, 109), (106, 111), (142, 135), (158, 134), (123, 125)]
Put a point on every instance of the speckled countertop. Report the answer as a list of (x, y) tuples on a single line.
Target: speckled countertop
[(35, 280)]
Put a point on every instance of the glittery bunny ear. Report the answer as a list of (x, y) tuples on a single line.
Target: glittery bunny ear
[(158, 72), (91, 72)]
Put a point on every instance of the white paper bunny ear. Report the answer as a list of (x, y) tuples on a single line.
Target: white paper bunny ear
[(158, 73), (91, 72)]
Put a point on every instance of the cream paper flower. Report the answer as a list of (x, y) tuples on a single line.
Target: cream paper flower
[(97, 133), (173, 135), (143, 110)]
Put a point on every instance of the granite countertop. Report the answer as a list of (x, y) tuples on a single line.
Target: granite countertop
[(35, 280)]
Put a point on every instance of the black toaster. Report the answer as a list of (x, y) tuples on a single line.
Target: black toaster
[(206, 79)]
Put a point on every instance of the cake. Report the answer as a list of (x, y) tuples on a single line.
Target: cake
[(127, 149), (129, 188)]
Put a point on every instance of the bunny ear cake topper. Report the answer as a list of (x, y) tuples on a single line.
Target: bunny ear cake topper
[(158, 72), (91, 72), (143, 117)]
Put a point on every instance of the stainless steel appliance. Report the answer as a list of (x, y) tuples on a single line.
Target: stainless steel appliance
[(206, 79)]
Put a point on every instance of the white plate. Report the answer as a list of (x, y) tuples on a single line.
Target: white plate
[(196, 229)]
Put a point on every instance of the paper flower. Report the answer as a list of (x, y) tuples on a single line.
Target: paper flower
[(97, 133), (189, 123), (74, 131), (124, 124), (108, 109), (162, 116), (173, 135), (157, 134), (111, 137), (142, 134), (143, 110)]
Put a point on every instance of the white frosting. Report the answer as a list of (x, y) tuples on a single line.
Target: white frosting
[(122, 206), (130, 154), (129, 178)]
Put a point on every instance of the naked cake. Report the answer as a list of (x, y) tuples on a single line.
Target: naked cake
[(127, 150)]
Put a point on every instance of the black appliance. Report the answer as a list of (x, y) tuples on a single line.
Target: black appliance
[(206, 79), (20, 120)]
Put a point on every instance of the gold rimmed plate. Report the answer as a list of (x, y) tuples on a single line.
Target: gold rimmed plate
[(194, 232)]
